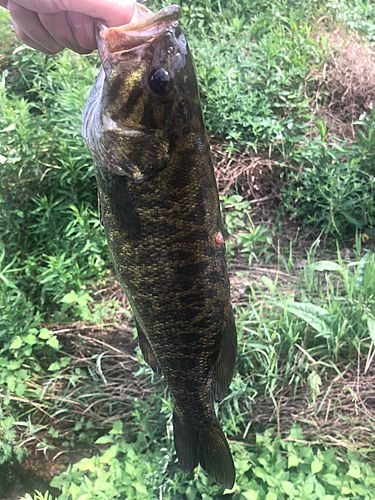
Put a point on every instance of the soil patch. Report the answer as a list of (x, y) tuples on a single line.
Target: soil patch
[(346, 83), (255, 176), (342, 414)]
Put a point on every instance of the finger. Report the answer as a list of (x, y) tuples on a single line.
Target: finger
[(83, 29), (29, 41), (113, 12), (28, 22), (58, 27)]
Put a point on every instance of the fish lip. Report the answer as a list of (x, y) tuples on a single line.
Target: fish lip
[(135, 34)]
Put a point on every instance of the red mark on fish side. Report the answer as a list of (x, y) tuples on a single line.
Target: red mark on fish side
[(219, 239)]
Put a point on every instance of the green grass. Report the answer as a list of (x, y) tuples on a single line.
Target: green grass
[(311, 318)]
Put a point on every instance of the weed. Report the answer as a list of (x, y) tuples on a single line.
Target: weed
[(334, 189), (270, 468)]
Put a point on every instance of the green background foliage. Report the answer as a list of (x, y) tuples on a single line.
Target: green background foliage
[(256, 63)]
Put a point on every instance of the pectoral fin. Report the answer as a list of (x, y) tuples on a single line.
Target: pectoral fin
[(137, 155), (147, 350)]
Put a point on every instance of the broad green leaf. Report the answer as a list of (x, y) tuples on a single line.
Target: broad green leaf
[(325, 265), (53, 342), (345, 490), (53, 367), (259, 472), (314, 380), (316, 465), (271, 495), (16, 343), (331, 479), (293, 460), (354, 471), (288, 487), (117, 428), (110, 454), (86, 464), (30, 339), (70, 297), (104, 440), (251, 494), (315, 316), (45, 334)]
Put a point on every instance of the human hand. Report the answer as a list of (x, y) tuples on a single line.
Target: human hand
[(52, 25)]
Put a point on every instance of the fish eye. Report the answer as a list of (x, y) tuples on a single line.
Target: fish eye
[(160, 82)]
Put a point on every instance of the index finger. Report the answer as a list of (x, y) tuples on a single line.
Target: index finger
[(114, 12)]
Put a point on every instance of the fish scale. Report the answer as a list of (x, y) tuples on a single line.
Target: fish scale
[(160, 211)]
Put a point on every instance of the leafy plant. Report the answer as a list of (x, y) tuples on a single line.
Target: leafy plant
[(244, 236), (271, 468), (334, 187), (119, 472), (9, 448), (37, 496)]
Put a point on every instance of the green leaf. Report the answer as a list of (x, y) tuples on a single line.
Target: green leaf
[(331, 479), (70, 298), (110, 453), (16, 343), (86, 464), (354, 471), (13, 365), (251, 494), (316, 465), (117, 428), (293, 460), (45, 334), (53, 342), (30, 339), (259, 472), (271, 495), (288, 487), (54, 367), (325, 265), (345, 490), (104, 440), (315, 316)]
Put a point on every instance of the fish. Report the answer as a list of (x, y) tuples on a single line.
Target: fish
[(160, 210)]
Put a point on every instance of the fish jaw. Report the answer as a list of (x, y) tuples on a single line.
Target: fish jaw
[(133, 35)]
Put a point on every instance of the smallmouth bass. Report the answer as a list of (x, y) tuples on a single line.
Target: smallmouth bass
[(160, 210)]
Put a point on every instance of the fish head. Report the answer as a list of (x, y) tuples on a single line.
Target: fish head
[(147, 92), (148, 69)]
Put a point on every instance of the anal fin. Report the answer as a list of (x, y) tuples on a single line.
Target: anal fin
[(147, 350), (225, 365)]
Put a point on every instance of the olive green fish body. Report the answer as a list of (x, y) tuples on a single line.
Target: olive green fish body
[(160, 210)]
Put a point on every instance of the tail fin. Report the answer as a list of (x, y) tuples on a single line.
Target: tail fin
[(208, 446)]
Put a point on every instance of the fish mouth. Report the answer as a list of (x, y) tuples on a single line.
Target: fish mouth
[(143, 30)]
